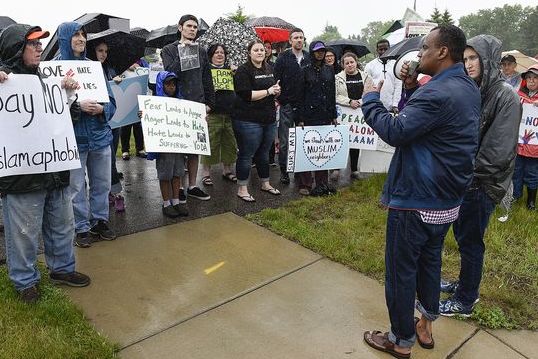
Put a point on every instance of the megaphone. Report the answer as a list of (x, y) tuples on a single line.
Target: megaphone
[(412, 57)]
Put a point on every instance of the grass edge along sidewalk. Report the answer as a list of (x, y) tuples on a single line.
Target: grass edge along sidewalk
[(349, 228), (53, 328)]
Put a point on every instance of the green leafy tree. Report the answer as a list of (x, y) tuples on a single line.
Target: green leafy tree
[(446, 18), (374, 31), (529, 33), (436, 16), (239, 16), (330, 33)]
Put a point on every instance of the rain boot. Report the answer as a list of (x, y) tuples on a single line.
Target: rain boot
[(531, 199)]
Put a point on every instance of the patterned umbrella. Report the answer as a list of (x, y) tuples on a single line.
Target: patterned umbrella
[(231, 34), (267, 21)]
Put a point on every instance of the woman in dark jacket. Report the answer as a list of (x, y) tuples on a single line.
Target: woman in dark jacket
[(254, 119)]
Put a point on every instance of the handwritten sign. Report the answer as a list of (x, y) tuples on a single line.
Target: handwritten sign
[(89, 75), (418, 28), (528, 128), (317, 148), (173, 125), (36, 132), (126, 96), (361, 135), (222, 79)]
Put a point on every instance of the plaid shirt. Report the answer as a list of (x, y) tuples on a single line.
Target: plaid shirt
[(440, 217)]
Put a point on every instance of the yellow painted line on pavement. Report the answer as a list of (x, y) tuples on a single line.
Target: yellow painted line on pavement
[(214, 268)]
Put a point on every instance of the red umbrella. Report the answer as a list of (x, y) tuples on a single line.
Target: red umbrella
[(272, 34)]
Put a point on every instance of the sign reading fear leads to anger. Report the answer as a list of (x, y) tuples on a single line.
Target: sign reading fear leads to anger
[(36, 133)]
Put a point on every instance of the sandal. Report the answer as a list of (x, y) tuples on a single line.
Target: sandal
[(207, 181), (246, 197), (271, 190), (381, 342), (424, 345), (229, 176)]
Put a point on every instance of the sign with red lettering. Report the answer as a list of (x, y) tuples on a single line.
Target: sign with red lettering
[(361, 135)]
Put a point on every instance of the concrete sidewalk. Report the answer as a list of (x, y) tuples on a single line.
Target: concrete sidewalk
[(222, 287)]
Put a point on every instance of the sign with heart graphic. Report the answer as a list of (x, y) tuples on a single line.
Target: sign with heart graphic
[(315, 148), (126, 95)]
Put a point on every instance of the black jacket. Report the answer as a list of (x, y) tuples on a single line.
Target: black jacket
[(196, 84), (500, 116), (290, 74), (12, 42)]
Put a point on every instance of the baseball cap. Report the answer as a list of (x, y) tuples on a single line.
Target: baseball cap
[(319, 45), (38, 34), (533, 70), (508, 58)]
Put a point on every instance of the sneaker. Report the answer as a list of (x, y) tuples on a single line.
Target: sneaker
[(74, 279), (181, 210), (83, 240), (334, 175), (142, 154), (355, 175), (319, 191), (125, 156), (119, 203), (330, 189), (451, 307), (196, 192), (284, 178), (30, 295), (304, 191), (170, 212), (103, 231), (449, 287), (182, 196)]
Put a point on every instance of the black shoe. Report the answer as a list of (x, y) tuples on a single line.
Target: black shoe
[(142, 154), (330, 189), (83, 240), (181, 210), (170, 212), (120, 175), (30, 295), (182, 196), (1, 228), (103, 231), (318, 191), (284, 176), (74, 279), (531, 199), (196, 192), (449, 287)]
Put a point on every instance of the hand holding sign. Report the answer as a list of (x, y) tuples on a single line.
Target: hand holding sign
[(91, 107), (3, 76)]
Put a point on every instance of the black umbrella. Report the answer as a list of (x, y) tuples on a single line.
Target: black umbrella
[(140, 32), (124, 49), (406, 45), (340, 46), (202, 28), (268, 21), (93, 23), (6, 21), (162, 36)]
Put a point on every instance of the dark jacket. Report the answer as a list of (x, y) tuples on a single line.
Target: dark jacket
[(499, 121), (436, 138), (12, 42), (195, 84), (92, 132), (317, 104), (290, 74), (224, 99)]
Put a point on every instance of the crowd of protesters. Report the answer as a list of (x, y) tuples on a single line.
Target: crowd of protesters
[(455, 138)]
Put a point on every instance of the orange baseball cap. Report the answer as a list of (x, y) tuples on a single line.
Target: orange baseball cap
[(39, 34)]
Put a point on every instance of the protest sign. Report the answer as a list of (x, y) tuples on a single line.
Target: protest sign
[(361, 135), (36, 133), (528, 127), (173, 125), (189, 56), (126, 97), (315, 148), (222, 79), (88, 74), (418, 28)]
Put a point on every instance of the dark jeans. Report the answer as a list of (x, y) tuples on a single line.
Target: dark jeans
[(469, 231), (253, 141), (354, 158), (115, 180), (286, 122), (126, 137), (412, 266), (525, 172)]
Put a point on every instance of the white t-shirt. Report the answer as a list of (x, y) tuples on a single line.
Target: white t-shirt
[(392, 87)]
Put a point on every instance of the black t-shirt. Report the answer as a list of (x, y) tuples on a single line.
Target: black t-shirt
[(247, 79), (355, 86)]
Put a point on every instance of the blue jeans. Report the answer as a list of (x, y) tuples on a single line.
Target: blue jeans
[(286, 122), (525, 172), (412, 266), (89, 210), (469, 231), (26, 217), (253, 141)]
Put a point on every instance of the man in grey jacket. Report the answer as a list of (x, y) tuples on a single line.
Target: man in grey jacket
[(494, 167)]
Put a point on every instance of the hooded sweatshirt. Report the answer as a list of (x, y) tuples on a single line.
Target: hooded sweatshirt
[(525, 97), (12, 43), (92, 132), (500, 116), (162, 76)]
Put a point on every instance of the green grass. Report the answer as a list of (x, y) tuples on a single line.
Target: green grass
[(53, 328), (350, 228)]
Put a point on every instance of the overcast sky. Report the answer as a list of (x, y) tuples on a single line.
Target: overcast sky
[(350, 16)]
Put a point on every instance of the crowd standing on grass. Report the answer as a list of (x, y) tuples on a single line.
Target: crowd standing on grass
[(455, 133)]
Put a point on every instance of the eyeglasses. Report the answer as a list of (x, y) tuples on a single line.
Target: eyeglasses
[(34, 43)]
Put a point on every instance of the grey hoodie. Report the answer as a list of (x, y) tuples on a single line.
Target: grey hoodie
[(499, 121)]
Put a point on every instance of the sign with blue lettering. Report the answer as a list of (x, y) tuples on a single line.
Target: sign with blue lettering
[(315, 148), (528, 128), (126, 95)]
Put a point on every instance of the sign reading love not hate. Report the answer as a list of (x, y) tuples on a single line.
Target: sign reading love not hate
[(361, 135), (315, 148), (528, 128), (126, 96), (88, 74), (36, 133), (173, 125)]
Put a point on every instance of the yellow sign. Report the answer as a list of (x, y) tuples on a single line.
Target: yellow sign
[(222, 79)]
